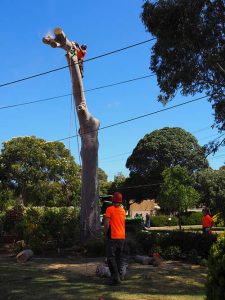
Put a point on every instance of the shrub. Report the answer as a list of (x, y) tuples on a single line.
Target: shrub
[(13, 216), (95, 247), (186, 241), (2, 220), (193, 257), (187, 218), (134, 225), (191, 218), (215, 286), (7, 199), (172, 252), (162, 220), (45, 227)]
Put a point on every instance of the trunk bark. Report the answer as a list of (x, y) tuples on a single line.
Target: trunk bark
[(90, 218)]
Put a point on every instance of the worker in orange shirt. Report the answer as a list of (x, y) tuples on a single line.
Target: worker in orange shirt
[(115, 236), (81, 52), (207, 221)]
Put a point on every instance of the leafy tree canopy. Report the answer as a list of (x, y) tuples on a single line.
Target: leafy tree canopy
[(118, 182), (211, 186), (42, 173), (161, 149), (103, 182), (176, 193), (190, 49)]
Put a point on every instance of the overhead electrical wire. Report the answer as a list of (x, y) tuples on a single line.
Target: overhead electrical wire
[(86, 91), (126, 153), (136, 118), (64, 67)]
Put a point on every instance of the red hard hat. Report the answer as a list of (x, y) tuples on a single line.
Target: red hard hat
[(117, 197)]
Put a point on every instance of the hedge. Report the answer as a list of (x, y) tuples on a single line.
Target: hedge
[(43, 227), (134, 225), (186, 241), (191, 218), (162, 220), (215, 286), (187, 218)]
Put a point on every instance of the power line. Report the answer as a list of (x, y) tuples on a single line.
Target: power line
[(218, 156), (135, 186), (118, 83), (126, 153), (86, 91), (139, 117), (209, 136), (114, 156), (202, 129), (35, 101), (64, 67)]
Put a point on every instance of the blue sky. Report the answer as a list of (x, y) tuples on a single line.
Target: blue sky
[(104, 26)]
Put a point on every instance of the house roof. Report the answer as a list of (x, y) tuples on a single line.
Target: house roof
[(144, 205)]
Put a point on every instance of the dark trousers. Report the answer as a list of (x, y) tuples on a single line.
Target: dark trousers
[(114, 253), (81, 66), (206, 230)]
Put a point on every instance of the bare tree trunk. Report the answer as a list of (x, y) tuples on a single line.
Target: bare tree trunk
[(90, 219)]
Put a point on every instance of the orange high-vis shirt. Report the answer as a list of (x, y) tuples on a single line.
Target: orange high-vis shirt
[(117, 217), (81, 54), (207, 221)]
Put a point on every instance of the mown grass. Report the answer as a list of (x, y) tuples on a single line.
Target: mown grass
[(66, 279)]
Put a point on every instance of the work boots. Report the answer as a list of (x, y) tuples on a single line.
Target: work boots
[(115, 276)]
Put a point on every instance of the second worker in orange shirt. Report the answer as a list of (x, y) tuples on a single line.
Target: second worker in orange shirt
[(207, 221), (115, 236)]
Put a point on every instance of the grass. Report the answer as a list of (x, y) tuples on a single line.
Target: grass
[(69, 279), (193, 228)]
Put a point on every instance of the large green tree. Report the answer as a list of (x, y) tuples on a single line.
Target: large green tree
[(190, 48), (42, 173), (176, 193), (211, 186), (103, 183), (158, 150), (118, 182)]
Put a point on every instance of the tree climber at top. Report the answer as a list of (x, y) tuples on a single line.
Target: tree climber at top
[(81, 52)]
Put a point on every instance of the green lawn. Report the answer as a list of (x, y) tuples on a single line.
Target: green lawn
[(72, 279), (194, 228)]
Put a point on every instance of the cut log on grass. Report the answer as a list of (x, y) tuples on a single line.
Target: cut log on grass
[(144, 260), (24, 256), (147, 260)]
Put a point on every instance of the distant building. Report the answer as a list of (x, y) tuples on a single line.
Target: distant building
[(146, 206)]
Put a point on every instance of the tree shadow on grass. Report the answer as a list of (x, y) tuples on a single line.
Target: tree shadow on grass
[(62, 279)]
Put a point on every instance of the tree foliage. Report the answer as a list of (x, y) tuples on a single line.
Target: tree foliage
[(121, 183), (215, 285), (158, 150), (211, 186), (118, 182), (103, 183), (42, 173), (176, 193), (190, 49)]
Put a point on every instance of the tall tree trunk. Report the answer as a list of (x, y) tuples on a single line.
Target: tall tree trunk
[(90, 219)]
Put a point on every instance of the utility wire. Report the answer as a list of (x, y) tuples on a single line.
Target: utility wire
[(127, 153), (86, 91), (36, 101), (64, 67), (136, 118)]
